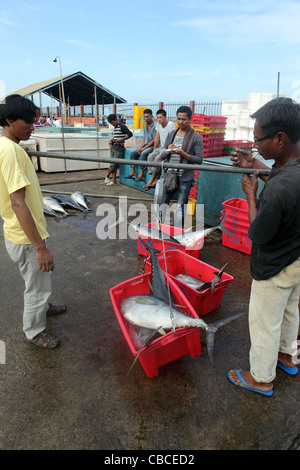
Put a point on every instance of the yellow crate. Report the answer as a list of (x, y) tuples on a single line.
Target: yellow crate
[(191, 207), (209, 130)]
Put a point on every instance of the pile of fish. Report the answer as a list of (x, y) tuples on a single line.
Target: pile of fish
[(56, 205), (149, 314)]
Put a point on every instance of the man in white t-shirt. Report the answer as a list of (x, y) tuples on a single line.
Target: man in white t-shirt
[(163, 127)]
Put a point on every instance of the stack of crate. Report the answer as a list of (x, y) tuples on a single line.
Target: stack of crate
[(212, 130), (231, 145)]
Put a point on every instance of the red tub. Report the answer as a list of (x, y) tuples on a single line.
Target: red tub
[(177, 262), (168, 347)]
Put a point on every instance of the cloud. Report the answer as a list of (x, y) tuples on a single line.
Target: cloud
[(161, 74), (83, 44), (275, 25), (7, 22)]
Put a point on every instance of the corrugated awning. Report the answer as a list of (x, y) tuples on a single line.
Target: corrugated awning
[(78, 89)]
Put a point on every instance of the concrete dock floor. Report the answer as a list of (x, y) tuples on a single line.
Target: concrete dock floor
[(77, 396)]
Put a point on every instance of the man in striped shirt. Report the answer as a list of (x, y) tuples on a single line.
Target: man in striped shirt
[(116, 144)]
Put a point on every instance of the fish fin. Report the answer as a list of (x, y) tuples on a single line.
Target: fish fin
[(213, 328), (222, 225), (142, 346)]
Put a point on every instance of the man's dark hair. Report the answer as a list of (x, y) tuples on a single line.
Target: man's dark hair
[(280, 114), (148, 111), (162, 112), (111, 117), (185, 109), (17, 107)]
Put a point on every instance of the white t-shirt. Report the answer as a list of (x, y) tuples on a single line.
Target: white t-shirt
[(164, 131)]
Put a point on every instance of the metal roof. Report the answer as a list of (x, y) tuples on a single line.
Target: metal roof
[(78, 89)]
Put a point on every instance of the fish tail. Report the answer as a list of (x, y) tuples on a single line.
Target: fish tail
[(222, 225), (213, 328)]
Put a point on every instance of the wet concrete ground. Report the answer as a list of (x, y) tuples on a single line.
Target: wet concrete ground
[(78, 397)]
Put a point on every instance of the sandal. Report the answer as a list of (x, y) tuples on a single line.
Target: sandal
[(55, 309), (44, 340), (147, 187)]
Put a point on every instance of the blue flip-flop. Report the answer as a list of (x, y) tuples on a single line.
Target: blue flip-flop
[(288, 370), (246, 386)]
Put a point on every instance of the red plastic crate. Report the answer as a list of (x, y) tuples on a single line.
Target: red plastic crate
[(167, 245), (177, 262), (237, 240), (234, 223), (237, 208), (168, 347), (238, 143)]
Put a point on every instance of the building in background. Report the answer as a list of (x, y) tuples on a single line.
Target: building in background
[(239, 125)]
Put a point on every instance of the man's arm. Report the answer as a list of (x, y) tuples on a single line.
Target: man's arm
[(244, 159), (156, 141), (250, 186), (19, 206)]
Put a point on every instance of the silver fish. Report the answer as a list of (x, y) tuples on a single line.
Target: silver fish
[(190, 281), (188, 238), (217, 278), (150, 312), (48, 211), (155, 233), (69, 202), (80, 199), (54, 205)]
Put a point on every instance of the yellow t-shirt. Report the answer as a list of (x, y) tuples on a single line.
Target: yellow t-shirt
[(16, 172)]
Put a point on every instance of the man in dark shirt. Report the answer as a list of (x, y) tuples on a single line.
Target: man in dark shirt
[(117, 148), (275, 255)]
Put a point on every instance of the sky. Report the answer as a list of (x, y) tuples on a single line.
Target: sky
[(159, 50)]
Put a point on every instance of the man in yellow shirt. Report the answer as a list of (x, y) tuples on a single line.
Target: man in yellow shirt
[(21, 208)]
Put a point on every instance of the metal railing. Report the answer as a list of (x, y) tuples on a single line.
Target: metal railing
[(206, 107), (207, 166)]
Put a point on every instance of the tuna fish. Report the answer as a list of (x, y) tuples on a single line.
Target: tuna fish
[(190, 281), (155, 233), (49, 212), (54, 205), (188, 238), (70, 202), (156, 311), (80, 199)]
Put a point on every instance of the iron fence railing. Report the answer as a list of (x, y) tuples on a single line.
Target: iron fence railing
[(206, 107)]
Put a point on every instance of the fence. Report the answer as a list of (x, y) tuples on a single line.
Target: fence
[(209, 107)]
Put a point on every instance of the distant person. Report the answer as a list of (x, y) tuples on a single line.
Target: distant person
[(43, 120), (163, 127), (117, 148), (120, 119), (275, 255), (58, 122), (146, 146), (21, 208), (187, 147)]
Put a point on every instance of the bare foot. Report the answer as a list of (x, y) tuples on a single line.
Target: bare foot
[(264, 387)]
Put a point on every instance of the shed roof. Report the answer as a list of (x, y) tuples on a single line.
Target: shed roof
[(78, 89)]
